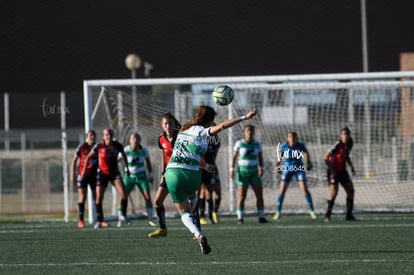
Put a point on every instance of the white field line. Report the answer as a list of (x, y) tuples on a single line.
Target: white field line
[(276, 262), (274, 226)]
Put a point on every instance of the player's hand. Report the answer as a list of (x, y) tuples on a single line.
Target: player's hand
[(210, 168), (251, 113), (260, 172), (309, 166), (151, 177), (353, 171), (231, 174), (278, 168)]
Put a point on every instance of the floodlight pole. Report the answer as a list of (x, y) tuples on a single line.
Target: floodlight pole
[(365, 68), (133, 63), (134, 101), (6, 121), (364, 34)]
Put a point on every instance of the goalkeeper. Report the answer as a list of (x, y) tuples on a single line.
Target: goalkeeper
[(290, 163)]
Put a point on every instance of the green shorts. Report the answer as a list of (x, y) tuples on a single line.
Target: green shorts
[(182, 182), (140, 181), (244, 179)]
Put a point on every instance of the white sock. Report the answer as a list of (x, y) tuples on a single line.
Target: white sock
[(193, 202), (188, 222), (260, 212), (150, 213), (240, 214)]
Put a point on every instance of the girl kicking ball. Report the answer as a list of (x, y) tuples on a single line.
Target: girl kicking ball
[(183, 175)]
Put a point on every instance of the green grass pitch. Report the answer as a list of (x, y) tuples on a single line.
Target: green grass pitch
[(376, 244)]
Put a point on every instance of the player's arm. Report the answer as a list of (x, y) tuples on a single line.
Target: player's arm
[(125, 159), (349, 161), (230, 122), (326, 158), (309, 165), (260, 158), (88, 157), (233, 163), (149, 168), (73, 169)]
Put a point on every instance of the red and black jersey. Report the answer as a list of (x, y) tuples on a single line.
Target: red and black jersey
[(212, 149), (339, 155), (108, 157), (82, 152), (166, 145)]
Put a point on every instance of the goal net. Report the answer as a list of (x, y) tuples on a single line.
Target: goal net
[(377, 107)]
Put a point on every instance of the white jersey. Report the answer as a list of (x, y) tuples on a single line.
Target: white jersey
[(248, 155), (189, 147), (136, 159)]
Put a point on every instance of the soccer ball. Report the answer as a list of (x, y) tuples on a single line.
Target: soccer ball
[(223, 95)]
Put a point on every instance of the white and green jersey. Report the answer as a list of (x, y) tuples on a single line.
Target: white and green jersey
[(136, 160), (189, 147), (248, 155)]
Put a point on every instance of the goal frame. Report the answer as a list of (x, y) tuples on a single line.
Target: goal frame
[(318, 81)]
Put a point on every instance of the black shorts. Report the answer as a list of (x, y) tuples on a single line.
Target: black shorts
[(88, 180), (103, 180), (341, 177), (163, 183), (209, 178)]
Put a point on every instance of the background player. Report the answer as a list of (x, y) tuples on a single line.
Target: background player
[(336, 159), (138, 162), (107, 152), (210, 184), (292, 153), (247, 153), (183, 174), (90, 173), (170, 126)]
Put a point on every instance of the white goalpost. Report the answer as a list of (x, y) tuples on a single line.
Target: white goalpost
[(376, 106)]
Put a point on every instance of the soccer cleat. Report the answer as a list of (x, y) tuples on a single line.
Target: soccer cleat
[(121, 218), (240, 221), (277, 216), (102, 224), (158, 233), (263, 220), (119, 223), (313, 215), (215, 218), (327, 219), (350, 218), (152, 223), (205, 248), (203, 221), (81, 224)]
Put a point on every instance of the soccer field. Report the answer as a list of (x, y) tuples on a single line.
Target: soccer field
[(376, 244)]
